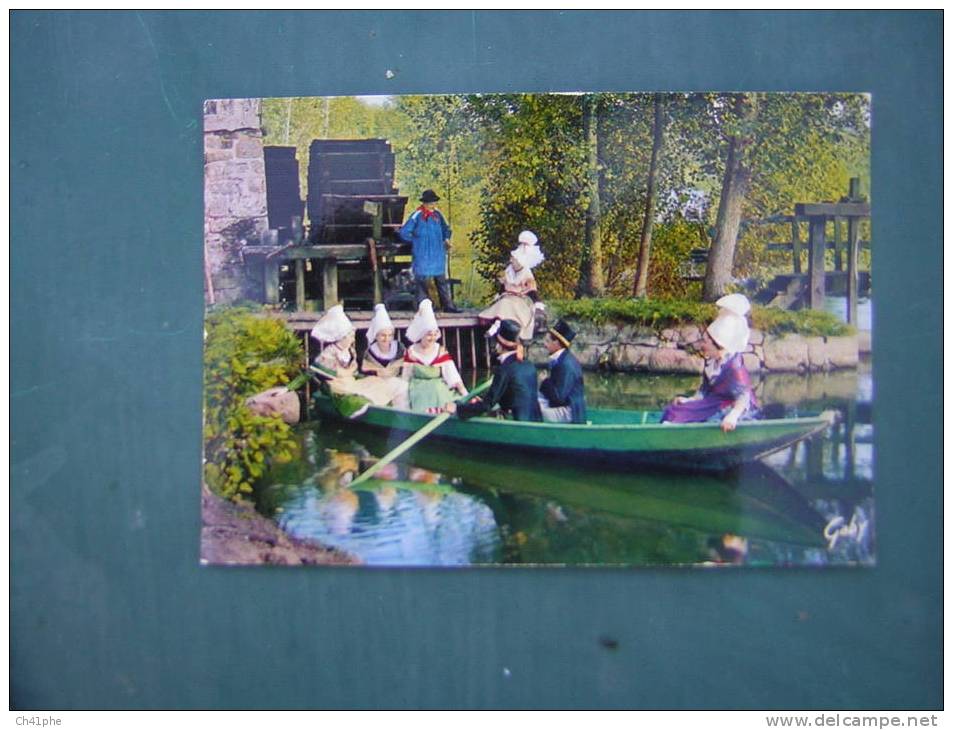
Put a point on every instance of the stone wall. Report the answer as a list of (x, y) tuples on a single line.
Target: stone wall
[(235, 204), (629, 348)]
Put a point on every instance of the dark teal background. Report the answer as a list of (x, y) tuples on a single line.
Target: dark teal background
[(109, 606)]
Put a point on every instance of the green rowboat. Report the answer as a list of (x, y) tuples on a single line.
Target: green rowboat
[(610, 438)]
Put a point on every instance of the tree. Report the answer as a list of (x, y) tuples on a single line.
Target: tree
[(769, 138), (645, 243), (734, 187), (591, 280)]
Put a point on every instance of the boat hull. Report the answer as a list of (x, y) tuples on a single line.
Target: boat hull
[(613, 439)]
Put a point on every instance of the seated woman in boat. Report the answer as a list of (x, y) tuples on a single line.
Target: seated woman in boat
[(427, 367), (519, 299), (725, 394), (384, 356), (514, 382), (337, 367)]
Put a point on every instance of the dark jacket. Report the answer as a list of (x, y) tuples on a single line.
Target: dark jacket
[(513, 388), (564, 386)]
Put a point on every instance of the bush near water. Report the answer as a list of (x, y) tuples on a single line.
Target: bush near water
[(661, 313), (245, 353)]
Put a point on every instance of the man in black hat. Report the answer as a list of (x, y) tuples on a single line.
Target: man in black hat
[(514, 381), (561, 396), (427, 231)]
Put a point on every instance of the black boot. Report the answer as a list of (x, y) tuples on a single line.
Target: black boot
[(446, 298), (420, 290)]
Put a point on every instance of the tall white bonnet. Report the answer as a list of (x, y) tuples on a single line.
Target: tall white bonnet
[(380, 321), (737, 303), (730, 332), (424, 321), (333, 325)]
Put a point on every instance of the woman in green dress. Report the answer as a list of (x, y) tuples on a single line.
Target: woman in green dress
[(431, 374)]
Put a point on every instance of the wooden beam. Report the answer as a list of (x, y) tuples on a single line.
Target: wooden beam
[(847, 210), (329, 282), (270, 275), (838, 247), (853, 230), (796, 245), (818, 247), (782, 246), (473, 361), (299, 285)]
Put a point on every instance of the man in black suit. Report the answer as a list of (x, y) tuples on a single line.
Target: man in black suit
[(514, 381), (561, 396)]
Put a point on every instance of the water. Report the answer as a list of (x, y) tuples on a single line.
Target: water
[(445, 505), (838, 307)]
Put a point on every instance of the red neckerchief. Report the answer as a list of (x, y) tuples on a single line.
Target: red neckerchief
[(428, 214), (441, 358)]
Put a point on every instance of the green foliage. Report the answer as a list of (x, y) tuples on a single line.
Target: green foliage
[(810, 322), (506, 162), (534, 178), (661, 313), (656, 313), (245, 353), (672, 244)]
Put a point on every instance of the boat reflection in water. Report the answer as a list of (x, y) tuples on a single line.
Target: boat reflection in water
[(460, 505)]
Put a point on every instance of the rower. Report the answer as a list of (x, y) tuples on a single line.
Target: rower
[(514, 381)]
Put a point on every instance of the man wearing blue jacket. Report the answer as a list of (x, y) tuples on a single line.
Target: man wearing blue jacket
[(561, 396), (427, 231)]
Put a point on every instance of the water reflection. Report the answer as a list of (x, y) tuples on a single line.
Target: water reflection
[(449, 505), (407, 517)]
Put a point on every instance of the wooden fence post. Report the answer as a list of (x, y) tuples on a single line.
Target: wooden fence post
[(796, 244), (818, 248)]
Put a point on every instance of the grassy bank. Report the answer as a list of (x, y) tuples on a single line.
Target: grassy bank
[(661, 313)]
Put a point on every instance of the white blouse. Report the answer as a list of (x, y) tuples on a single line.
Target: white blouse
[(448, 369)]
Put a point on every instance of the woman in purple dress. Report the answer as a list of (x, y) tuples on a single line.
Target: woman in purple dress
[(725, 394)]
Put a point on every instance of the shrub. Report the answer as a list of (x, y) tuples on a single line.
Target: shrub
[(661, 313), (245, 353)]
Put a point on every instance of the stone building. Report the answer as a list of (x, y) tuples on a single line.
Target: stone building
[(235, 202)]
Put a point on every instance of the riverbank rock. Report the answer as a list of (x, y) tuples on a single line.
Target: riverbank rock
[(786, 354), (826, 353), (235, 534), (864, 343), (627, 348), (668, 360)]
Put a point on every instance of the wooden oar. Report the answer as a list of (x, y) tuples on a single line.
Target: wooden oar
[(417, 436)]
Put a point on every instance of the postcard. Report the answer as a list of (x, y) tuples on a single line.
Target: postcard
[(589, 329)]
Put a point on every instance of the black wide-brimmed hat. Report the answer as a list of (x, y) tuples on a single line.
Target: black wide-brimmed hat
[(429, 196), (563, 332), (508, 334)]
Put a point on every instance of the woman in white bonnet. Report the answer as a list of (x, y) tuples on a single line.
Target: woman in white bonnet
[(725, 394), (384, 356), (336, 365), (428, 368), (519, 299)]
